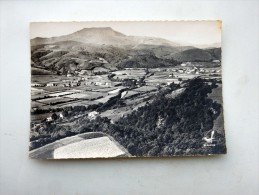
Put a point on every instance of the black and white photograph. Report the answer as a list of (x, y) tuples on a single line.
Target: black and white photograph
[(126, 89)]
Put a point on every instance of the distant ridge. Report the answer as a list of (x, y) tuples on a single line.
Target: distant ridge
[(103, 35), (77, 51)]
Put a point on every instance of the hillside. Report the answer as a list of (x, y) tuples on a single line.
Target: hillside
[(147, 61), (102, 36), (95, 47), (197, 55)]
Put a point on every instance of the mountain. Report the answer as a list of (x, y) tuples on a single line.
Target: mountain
[(197, 55), (215, 52), (82, 50), (103, 36), (208, 46), (86, 35)]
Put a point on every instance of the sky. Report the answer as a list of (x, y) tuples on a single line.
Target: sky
[(184, 32)]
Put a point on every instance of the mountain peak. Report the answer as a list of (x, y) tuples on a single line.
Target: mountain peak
[(99, 30), (104, 36)]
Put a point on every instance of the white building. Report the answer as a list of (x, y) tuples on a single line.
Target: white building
[(93, 115), (37, 85)]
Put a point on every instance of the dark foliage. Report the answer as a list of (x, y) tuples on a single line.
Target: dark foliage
[(166, 126), (171, 126)]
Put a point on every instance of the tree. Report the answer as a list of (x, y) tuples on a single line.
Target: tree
[(154, 151), (65, 113), (54, 116), (131, 148)]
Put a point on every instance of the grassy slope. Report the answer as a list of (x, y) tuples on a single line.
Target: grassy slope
[(216, 95)]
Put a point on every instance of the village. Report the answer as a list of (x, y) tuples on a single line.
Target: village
[(95, 87)]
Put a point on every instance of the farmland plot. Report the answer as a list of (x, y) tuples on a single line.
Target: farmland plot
[(106, 98), (78, 96), (40, 96), (54, 100), (129, 74), (39, 117), (88, 95), (60, 94), (103, 89), (101, 147), (56, 89), (116, 114), (51, 78), (86, 145), (79, 103), (134, 96), (35, 104), (146, 89), (132, 93), (35, 91)]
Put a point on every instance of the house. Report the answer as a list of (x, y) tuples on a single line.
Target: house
[(65, 80), (37, 85), (48, 85), (61, 116), (202, 70), (93, 115), (82, 78), (49, 119), (83, 72), (51, 84)]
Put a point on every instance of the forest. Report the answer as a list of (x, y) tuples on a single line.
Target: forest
[(164, 127)]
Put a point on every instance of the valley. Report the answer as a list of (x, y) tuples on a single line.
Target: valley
[(125, 95)]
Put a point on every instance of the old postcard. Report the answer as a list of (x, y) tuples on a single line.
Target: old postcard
[(126, 89)]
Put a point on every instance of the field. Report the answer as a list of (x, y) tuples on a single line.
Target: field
[(130, 74), (37, 118), (35, 104), (216, 95), (58, 94), (54, 100), (146, 89), (88, 96), (106, 98), (132, 93), (116, 114), (95, 89), (86, 145), (113, 100), (102, 93), (101, 147), (35, 91)]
